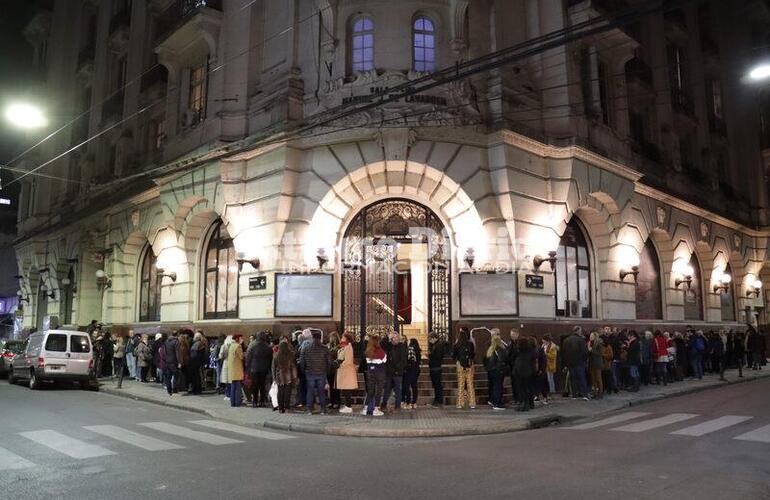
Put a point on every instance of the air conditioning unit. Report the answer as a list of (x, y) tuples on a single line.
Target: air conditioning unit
[(573, 309)]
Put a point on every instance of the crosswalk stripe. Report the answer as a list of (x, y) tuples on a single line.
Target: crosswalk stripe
[(761, 435), (11, 461), (237, 429), (184, 432), (133, 438), (654, 423), (616, 419), (69, 446), (711, 426)]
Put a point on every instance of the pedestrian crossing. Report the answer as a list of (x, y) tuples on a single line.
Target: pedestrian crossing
[(106, 440), (638, 422)]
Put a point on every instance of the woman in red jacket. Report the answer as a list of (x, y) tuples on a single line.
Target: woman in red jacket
[(660, 348)]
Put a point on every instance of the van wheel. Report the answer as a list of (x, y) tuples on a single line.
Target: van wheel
[(11, 378), (34, 383)]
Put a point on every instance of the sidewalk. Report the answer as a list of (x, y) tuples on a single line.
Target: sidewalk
[(422, 422)]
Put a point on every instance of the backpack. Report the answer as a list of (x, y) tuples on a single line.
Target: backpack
[(700, 345), (464, 356), (411, 356)]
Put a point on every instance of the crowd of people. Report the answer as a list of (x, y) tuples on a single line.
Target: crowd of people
[(298, 371)]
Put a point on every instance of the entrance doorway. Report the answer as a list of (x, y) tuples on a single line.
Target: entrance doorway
[(396, 272)]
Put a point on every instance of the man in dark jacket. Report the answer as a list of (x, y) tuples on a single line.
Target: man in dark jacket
[(436, 352), (259, 359), (633, 359), (574, 353), (395, 366), (315, 361), (171, 363), (513, 352)]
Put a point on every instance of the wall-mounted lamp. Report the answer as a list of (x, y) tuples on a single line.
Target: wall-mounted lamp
[(68, 283), (470, 257), (685, 276), (634, 271), (103, 280), (50, 295), (161, 273), (723, 284), (754, 289), (22, 297), (241, 260), (322, 258), (538, 260)]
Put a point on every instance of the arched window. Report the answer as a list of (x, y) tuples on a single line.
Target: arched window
[(149, 288), (648, 293), (423, 45), (68, 292), (220, 276), (362, 44), (573, 274), (693, 296), (42, 305), (727, 299)]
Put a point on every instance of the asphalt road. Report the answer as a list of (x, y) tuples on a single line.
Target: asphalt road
[(76, 444)]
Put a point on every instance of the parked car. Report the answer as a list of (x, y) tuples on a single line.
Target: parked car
[(8, 349), (55, 356)]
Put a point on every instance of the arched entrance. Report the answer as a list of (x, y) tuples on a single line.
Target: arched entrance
[(396, 268)]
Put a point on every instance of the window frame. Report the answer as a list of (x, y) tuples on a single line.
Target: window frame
[(353, 34), (424, 32), (216, 241), (197, 90), (655, 260), (68, 293), (694, 262), (148, 281), (574, 227)]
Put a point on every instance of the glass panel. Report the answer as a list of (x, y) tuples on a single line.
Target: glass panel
[(368, 41), (585, 293), (232, 291), (358, 26), (582, 256), (419, 23), (419, 54), (79, 343), (571, 274), (56, 342), (429, 41), (358, 42), (211, 257), (561, 281), (143, 301), (358, 56), (427, 24), (368, 24), (727, 306), (429, 55), (418, 40), (368, 55), (211, 290)]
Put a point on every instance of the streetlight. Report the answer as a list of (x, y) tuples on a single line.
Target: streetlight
[(24, 115), (760, 72)]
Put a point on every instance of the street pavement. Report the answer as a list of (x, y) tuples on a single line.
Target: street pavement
[(60, 443)]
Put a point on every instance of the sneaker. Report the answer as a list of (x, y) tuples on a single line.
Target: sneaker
[(377, 413), (498, 408), (545, 402), (490, 404), (363, 412), (346, 409), (473, 407), (586, 398), (459, 407)]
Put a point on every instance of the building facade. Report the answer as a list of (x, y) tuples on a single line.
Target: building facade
[(616, 179)]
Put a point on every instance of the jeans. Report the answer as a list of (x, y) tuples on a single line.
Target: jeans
[(438, 386), (615, 374), (697, 365), (392, 383), (131, 363), (169, 377), (496, 387), (577, 376), (551, 383), (219, 373), (375, 384), (660, 372), (410, 385), (315, 385), (235, 393), (633, 372)]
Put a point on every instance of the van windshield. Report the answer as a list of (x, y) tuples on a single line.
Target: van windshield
[(79, 343), (56, 342)]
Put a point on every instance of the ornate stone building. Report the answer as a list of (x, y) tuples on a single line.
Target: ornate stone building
[(617, 179)]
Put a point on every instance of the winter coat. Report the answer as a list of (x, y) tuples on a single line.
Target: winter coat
[(436, 354), (634, 353), (314, 359), (347, 373), (141, 351), (259, 357), (171, 353), (574, 351), (397, 354), (596, 359), (659, 347), (607, 356), (497, 361), (120, 351), (285, 375), (551, 353), (526, 364), (235, 362), (644, 350)]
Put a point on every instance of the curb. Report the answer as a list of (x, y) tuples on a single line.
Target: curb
[(119, 393)]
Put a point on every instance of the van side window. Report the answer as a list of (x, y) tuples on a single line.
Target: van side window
[(56, 342), (79, 343)]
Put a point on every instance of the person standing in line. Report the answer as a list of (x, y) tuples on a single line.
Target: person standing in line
[(524, 369), (171, 362), (259, 358), (574, 353), (184, 361), (223, 357), (235, 369), (304, 340), (412, 373), (108, 351), (495, 362), (284, 371), (157, 357), (719, 348), (551, 354), (608, 355), (315, 362), (697, 348), (437, 350), (347, 373), (331, 377), (542, 388), (739, 351), (143, 357), (198, 352), (397, 352), (464, 354), (376, 358), (513, 350), (633, 360), (130, 359), (119, 357), (660, 355), (596, 364)]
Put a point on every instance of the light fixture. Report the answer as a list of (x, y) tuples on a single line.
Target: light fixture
[(241, 260), (634, 271), (686, 277), (22, 297), (470, 257), (24, 115), (322, 258), (161, 273), (760, 72), (724, 283), (754, 289), (538, 260), (68, 283), (102, 279)]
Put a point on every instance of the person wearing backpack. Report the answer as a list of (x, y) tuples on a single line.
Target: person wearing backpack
[(412, 373), (495, 364), (463, 354)]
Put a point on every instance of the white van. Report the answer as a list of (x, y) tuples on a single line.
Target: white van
[(56, 355)]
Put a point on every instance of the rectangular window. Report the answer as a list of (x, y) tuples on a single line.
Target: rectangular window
[(79, 344), (676, 66), (56, 342), (716, 98), (604, 95), (197, 97)]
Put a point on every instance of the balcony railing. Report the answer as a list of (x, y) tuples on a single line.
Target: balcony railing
[(178, 13), (156, 76), (113, 107), (682, 102), (637, 69)]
